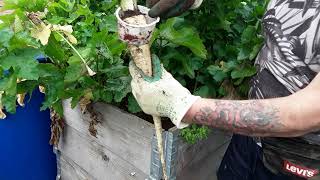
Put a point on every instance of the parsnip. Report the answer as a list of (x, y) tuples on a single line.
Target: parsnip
[(142, 58)]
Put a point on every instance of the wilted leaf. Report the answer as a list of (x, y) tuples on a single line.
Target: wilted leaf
[(42, 33)]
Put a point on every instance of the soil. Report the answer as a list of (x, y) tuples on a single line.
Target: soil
[(129, 13)]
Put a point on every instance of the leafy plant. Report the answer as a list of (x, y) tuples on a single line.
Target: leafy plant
[(230, 33), (210, 51)]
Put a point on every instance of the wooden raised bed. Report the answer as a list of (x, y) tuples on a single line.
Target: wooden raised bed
[(125, 149)]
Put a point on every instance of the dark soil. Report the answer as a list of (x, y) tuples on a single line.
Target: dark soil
[(129, 13)]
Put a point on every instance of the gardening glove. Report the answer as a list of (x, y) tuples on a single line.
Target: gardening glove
[(161, 95), (171, 8)]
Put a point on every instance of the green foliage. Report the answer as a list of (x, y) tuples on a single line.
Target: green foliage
[(202, 49), (212, 50), (65, 76), (195, 133)]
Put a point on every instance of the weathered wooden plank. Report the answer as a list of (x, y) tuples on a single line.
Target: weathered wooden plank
[(205, 168), (192, 154), (124, 134), (97, 160), (180, 155), (71, 171)]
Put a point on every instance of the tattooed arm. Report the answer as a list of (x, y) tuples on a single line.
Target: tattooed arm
[(294, 115), (164, 96)]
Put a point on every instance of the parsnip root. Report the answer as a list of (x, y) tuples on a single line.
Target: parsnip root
[(142, 57)]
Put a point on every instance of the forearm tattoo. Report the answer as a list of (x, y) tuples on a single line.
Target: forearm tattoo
[(250, 118)]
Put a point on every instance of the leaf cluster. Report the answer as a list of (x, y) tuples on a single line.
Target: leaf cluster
[(209, 50)]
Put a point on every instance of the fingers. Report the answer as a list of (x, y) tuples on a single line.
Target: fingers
[(169, 8), (162, 7), (179, 8)]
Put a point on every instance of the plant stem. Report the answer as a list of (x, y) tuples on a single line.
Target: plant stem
[(91, 73)]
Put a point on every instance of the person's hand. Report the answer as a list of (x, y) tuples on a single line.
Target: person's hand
[(161, 95), (171, 8)]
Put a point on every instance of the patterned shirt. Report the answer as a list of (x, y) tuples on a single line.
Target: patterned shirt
[(287, 63)]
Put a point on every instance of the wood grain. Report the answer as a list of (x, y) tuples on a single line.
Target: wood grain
[(99, 161), (71, 171), (189, 155), (124, 134)]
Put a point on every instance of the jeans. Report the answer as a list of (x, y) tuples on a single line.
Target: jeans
[(243, 161)]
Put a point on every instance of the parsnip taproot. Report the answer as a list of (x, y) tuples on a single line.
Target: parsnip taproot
[(142, 57)]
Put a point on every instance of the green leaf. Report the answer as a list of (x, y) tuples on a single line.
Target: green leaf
[(203, 92), (58, 108), (109, 23), (184, 36), (54, 93), (217, 73), (123, 90), (50, 70), (133, 105), (54, 50), (244, 72), (116, 71), (26, 86), (75, 95), (107, 96), (5, 36), (24, 62), (254, 51), (9, 102), (244, 53), (9, 85), (248, 34), (73, 73), (27, 5), (23, 40)]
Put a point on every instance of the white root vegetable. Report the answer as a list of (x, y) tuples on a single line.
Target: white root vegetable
[(142, 58)]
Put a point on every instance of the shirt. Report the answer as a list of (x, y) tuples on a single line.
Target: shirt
[(288, 61)]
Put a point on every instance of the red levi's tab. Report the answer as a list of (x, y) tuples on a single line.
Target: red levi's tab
[(299, 170)]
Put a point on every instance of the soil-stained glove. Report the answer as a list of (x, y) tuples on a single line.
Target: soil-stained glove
[(161, 95), (171, 8)]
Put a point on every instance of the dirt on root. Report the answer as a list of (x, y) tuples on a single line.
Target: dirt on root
[(129, 13)]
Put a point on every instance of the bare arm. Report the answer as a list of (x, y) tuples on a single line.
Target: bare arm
[(290, 116)]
